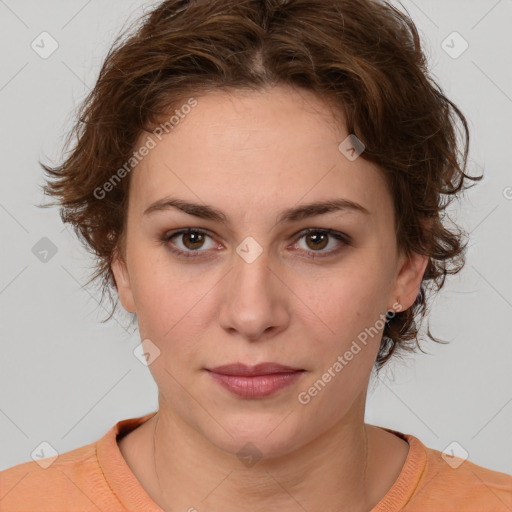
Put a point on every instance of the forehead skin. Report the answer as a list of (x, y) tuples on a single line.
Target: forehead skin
[(252, 154)]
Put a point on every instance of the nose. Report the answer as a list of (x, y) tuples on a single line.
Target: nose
[(256, 299)]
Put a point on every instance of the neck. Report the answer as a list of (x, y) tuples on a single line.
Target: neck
[(328, 473)]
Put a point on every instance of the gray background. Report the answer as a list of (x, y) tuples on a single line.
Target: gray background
[(65, 378)]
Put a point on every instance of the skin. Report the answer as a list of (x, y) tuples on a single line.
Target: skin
[(252, 155)]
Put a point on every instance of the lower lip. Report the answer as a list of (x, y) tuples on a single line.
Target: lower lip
[(258, 386)]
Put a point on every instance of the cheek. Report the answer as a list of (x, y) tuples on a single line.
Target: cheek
[(332, 393), (158, 287), (170, 309), (349, 310), (349, 298)]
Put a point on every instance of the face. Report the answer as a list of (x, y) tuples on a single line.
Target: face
[(250, 284)]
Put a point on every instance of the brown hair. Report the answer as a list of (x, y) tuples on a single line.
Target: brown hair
[(363, 56)]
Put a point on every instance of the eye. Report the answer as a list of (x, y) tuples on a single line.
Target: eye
[(193, 239), (320, 239)]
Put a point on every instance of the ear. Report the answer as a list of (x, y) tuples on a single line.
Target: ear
[(409, 277), (123, 285)]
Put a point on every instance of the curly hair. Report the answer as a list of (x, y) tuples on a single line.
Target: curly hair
[(364, 57)]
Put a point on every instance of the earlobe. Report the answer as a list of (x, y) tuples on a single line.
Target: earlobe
[(122, 278)]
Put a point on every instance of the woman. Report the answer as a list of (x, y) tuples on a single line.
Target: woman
[(263, 183)]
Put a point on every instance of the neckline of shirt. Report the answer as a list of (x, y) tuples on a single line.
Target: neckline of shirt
[(132, 495)]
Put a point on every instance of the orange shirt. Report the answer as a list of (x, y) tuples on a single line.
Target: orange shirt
[(95, 477)]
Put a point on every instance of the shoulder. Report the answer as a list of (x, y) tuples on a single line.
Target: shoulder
[(49, 482), (436, 481), (74, 480), (458, 484)]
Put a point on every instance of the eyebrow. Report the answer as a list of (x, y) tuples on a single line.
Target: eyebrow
[(293, 214)]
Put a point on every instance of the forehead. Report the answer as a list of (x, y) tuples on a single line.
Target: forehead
[(249, 148)]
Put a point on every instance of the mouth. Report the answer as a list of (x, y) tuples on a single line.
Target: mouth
[(259, 381), (244, 370)]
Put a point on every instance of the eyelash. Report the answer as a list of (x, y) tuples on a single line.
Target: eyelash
[(341, 237)]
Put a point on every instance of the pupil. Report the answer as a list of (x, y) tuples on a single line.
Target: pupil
[(316, 237), (192, 235)]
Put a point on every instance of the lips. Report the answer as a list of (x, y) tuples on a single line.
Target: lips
[(240, 369), (255, 382)]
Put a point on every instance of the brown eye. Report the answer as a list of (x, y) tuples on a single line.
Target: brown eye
[(319, 240), (316, 240), (192, 240), (188, 242)]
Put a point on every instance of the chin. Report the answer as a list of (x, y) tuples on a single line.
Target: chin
[(249, 437)]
